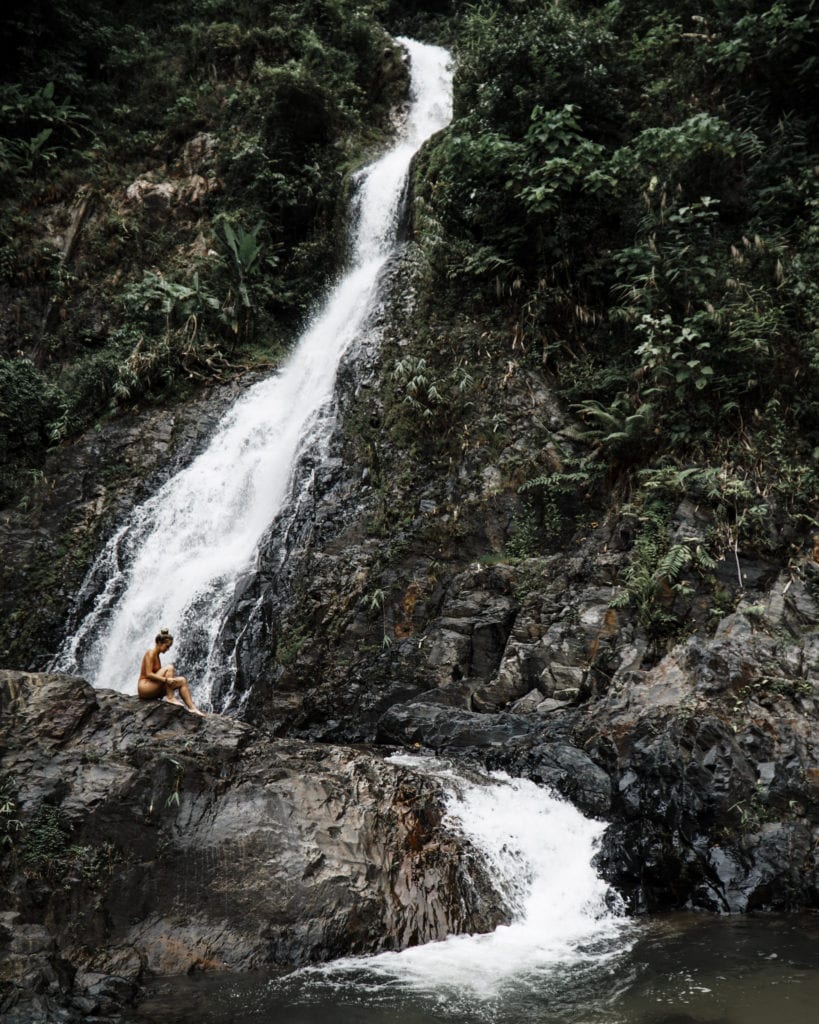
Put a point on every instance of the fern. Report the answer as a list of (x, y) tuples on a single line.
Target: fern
[(673, 562), (652, 578), (618, 431)]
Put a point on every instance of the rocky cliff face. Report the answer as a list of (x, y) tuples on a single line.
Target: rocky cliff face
[(48, 542), (396, 617), (409, 599), (138, 838)]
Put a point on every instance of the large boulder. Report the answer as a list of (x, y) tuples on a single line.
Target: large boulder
[(145, 839), (448, 729), (713, 758)]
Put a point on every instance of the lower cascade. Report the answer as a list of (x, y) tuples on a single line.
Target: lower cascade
[(176, 560), (539, 850)]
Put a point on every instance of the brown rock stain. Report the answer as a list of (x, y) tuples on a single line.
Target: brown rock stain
[(609, 626), (405, 626)]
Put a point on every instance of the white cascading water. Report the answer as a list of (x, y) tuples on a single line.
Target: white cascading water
[(176, 560), (538, 850)]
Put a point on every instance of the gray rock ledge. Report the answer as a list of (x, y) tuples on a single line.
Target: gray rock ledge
[(139, 839)]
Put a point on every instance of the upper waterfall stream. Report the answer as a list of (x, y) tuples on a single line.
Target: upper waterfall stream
[(176, 559)]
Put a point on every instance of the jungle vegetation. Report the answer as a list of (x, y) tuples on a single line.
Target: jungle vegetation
[(627, 199), (171, 178)]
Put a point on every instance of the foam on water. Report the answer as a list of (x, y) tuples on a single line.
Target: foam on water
[(539, 851)]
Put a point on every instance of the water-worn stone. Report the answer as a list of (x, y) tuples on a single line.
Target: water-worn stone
[(153, 840), (565, 769), (446, 729)]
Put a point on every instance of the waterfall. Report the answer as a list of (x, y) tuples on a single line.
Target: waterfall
[(565, 921), (177, 558)]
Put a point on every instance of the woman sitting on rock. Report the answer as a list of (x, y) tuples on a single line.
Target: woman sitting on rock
[(156, 682)]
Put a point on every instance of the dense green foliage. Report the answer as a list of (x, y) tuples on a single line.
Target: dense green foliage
[(170, 177), (624, 210), (630, 194)]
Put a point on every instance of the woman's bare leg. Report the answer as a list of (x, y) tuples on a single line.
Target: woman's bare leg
[(170, 687), (180, 684), (185, 694)]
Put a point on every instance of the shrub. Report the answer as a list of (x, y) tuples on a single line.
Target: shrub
[(29, 404)]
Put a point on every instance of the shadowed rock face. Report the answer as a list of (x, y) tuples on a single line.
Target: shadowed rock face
[(705, 764), (155, 841), (713, 754)]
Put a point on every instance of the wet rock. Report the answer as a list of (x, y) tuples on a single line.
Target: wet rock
[(566, 770), (561, 677), (446, 729), (475, 622), (768, 872), (508, 685), (529, 703), (714, 768), (34, 978), (177, 842), (735, 626), (456, 694)]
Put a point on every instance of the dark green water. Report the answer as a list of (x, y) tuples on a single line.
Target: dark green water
[(683, 969)]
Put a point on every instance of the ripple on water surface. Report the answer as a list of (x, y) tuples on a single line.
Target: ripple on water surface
[(682, 969)]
